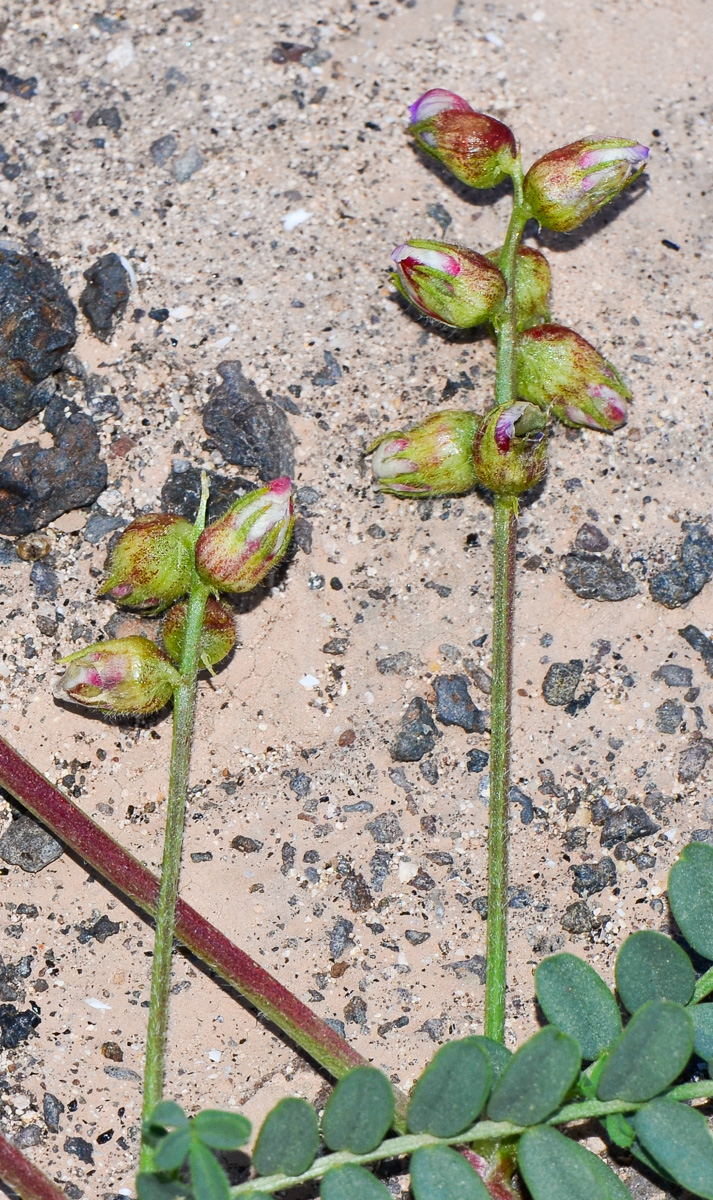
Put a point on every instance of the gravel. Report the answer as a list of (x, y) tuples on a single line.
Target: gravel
[(669, 716), (627, 825), (674, 675), (187, 164), (27, 844), (694, 759), (454, 705), (163, 148), (593, 877), (416, 734), (701, 643), (579, 918), (249, 430), (15, 1026), (385, 829), (561, 681), (52, 1110), (684, 577), (594, 577), (106, 295), (590, 538)]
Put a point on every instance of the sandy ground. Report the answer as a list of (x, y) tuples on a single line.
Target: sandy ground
[(217, 252)]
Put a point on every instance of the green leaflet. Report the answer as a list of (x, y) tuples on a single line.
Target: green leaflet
[(452, 1090), (677, 1137), (577, 1000), (221, 1130), (359, 1111), (537, 1078), (690, 894), (650, 1054), (439, 1173), (651, 966), (352, 1183), (288, 1141), (208, 1178), (702, 1017), (556, 1168)]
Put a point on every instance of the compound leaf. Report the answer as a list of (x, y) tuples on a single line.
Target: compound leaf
[(556, 1168), (452, 1090), (537, 1078), (651, 966), (678, 1138), (651, 1052), (288, 1141), (221, 1130), (690, 894), (439, 1173), (359, 1111), (208, 1179), (352, 1183), (577, 1000)]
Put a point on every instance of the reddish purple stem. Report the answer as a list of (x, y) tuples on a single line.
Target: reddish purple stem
[(23, 1176)]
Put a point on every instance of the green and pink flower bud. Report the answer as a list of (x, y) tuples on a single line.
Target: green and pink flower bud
[(129, 676), (217, 636), (151, 564), (478, 149), (510, 449), (561, 372), (434, 458), (448, 283), (568, 185), (532, 285), (235, 553)]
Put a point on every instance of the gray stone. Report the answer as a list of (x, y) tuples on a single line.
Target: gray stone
[(674, 675), (684, 578), (52, 1110), (187, 164), (181, 492), (248, 429), (163, 148), (693, 759), (16, 1027), (8, 553), (579, 918), (397, 664), (246, 845), (336, 646), (385, 829), (330, 374), (576, 838), (468, 968), (357, 892), (480, 677), (29, 1135), (125, 1073), (561, 681), (27, 844), (435, 1027), (517, 796), (44, 579), (476, 761), (106, 295), (355, 1011), (379, 868), (429, 770), (107, 118), (454, 705), (669, 716), (593, 877), (416, 735), (416, 937), (440, 215), (100, 525), (80, 1148), (590, 538), (99, 931), (701, 643), (398, 776), (340, 937), (594, 577), (626, 825), (300, 784)]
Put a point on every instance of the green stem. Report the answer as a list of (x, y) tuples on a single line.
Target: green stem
[(184, 700), (704, 986), (505, 536)]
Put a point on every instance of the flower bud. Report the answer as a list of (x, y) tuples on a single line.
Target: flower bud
[(127, 675), (448, 283), (532, 285), (478, 149), (434, 458), (560, 371), (217, 637), (151, 564), (235, 553), (510, 449), (568, 185)]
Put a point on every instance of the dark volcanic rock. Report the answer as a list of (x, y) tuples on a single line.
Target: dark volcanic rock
[(52, 1110), (37, 328), (81, 1148), (454, 705), (416, 734), (16, 1027), (579, 918), (590, 538), (693, 759), (181, 492), (163, 148), (102, 929), (517, 796), (27, 844), (560, 682), (249, 430), (468, 968), (594, 577), (669, 716), (701, 643), (37, 485), (593, 877), (15, 86), (340, 937), (627, 825), (673, 675), (106, 295), (109, 118), (476, 761), (385, 829), (357, 892), (684, 578)]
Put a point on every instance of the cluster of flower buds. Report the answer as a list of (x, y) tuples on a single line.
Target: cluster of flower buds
[(561, 372), (568, 185), (155, 563), (431, 459), (478, 149), (449, 283), (510, 449)]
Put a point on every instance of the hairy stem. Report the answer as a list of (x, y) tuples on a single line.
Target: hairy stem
[(505, 383), (23, 1176)]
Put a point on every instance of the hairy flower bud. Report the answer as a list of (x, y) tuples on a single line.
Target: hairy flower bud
[(477, 148), (568, 185), (235, 553), (127, 675), (560, 371), (217, 637), (431, 459), (532, 285), (151, 564), (448, 283), (510, 449)]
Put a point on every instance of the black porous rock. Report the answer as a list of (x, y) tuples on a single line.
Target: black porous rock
[(249, 430), (385, 829), (37, 329), (37, 485), (594, 577), (99, 931), (80, 1147), (593, 877), (181, 492), (27, 844), (16, 1027), (454, 705), (517, 796), (701, 643), (674, 675), (694, 758), (106, 295), (687, 574), (476, 761), (416, 735), (560, 682), (669, 716), (579, 918), (626, 825)]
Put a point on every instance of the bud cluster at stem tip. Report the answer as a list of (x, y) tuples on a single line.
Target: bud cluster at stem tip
[(568, 185), (449, 283), (478, 149)]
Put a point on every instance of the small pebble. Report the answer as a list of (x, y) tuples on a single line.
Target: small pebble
[(163, 148), (454, 705), (579, 918), (27, 844), (594, 577), (701, 643), (248, 429), (674, 675), (385, 829), (669, 716), (246, 845), (627, 825), (477, 761), (561, 681), (592, 539), (416, 735), (52, 1110), (694, 759), (106, 295), (187, 164), (593, 877)]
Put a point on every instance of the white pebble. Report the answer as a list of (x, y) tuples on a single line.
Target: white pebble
[(297, 217)]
